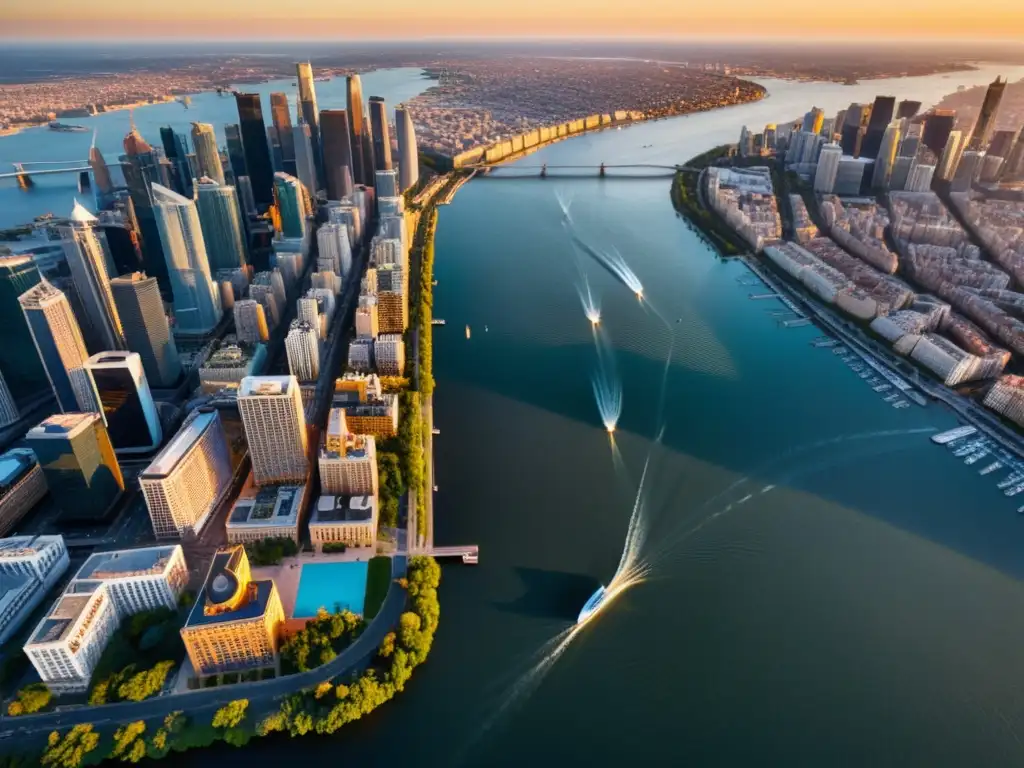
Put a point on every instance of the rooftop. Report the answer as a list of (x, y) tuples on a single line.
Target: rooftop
[(25, 546), (168, 458), (267, 385), (61, 425), (224, 598), (343, 509), (40, 293), (12, 585), (271, 506), (13, 465), (62, 616), (124, 563)]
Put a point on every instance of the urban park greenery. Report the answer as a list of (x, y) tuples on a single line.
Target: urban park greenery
[(271, 551)]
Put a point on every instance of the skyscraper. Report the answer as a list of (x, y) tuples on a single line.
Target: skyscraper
[(275, 428), (338, 153), (220, 217), (250, 321), (408, 155), (207, 155), (813, 120), (907, 109), (176, 150), (281, 116), (335, 250), (303, 347), (254, 144), (369, 163), (1001, 144), (1014, 169), (381, 134), (78, 460), (91, 267), (196, 296), (60, 345), (236, 151), (354, 94), (950, 156), (886, 156), (881, 115), (937, 126), (141, 167), (100, 171), (126, 404), (828, 168), (387, 185), (310, 115), (20, 364), (291, 204), (145, 327), (987, 117), (8, 408), (852, 131), (305, 165)]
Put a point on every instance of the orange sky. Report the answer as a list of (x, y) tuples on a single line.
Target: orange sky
[(274, 19)]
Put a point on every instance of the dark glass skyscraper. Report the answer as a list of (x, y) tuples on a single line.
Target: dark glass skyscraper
[(236, 151), (141, 166), (254, 144), (282, 118), (881, 115), (311, 117), (1002, 144), (381, 135), (19, 360), (854, 120), (354, 92), (937, 127), (176, 149), (987, 117), (145, 327), (907, 108), (338, 152)]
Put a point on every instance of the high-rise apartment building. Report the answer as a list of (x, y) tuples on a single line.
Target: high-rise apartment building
[(354, 95), (292, 204), (250, 322), (338, 152), (254, 145), (187, 479), (59, 344), (381, 134), (122, 393), (145, 327), (207, 155), (881, 115), (29, 567), (20, 363), (335, 250), (92, 267), (387, 184), (309, 115), (275, 427), (303, 347), (408, 154), (327, 280), (280, 113), (389, 354), (987, 116), (77, 458), (235, 622), (138, 579), (392, 299), (348, 462), (196, 296), (221, 221), (22, 485)]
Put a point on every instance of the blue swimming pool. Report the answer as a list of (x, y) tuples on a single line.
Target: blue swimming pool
[(330, 585)]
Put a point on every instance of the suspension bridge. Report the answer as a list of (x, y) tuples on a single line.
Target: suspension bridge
[(602, 170), (24, 171)]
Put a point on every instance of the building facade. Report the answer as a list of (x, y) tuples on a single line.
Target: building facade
[(275, 427), (303, 347), (348, 520), (408, 154), (338, 153), (22, 485), (250, 322), (29, 567), (145, 327), (221, 221), (122, 392), (254, 146), (348, 462), (204, 141), (20, 364), (389, 354)]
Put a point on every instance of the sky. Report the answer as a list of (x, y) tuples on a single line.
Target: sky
[(416, 19)]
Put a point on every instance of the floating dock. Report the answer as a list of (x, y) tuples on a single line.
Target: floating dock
[(953, 434)]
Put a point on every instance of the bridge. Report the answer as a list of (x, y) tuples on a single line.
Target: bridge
[(639, 170), (24, 174)]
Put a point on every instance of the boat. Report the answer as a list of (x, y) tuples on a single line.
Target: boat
[(437, 321), (963, 450), (486, 329), (974, 458), (953, 434), (467, 331), (66, 127), (1014, 490), (991, 468), (901, 404), (590, 607), (1020, 510), (1009, 480)]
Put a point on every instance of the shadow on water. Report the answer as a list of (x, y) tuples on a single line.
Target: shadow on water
[(550, 594)]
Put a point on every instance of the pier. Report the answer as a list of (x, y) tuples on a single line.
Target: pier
[(470, 553), (757, 296)]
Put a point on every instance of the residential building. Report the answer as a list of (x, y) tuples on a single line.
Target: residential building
[(389, 354), (408, 155), (254, 145), (91, 266), (125, 402), (220, 216), (920, 179), (59, 344), (348, 520), (235, 622), (266, 513), (327, 280), (22, 485), (367, 324), (29, 567), (360, 355), (204, 140), (196, 296), (303, 347), (145, 327), (275, 427), (78, 460), (348, 462), (387, 250), (250, 322), (376, 416), (187, 479), (335, 250), (137, 579)]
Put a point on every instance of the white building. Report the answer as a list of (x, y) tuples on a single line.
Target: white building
[(29, 567), (303, 346), (389, 354), (138, 579), (348, 463), (828, 167), (308, 311), (275, 427), (920, 178), (366, 318), (266, 513), (386, 250), (348, 520), (327, 280), (187, 479), (335, 254)]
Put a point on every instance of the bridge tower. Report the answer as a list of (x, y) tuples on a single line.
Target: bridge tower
[(600, 171), (544, 171), (24, 180)]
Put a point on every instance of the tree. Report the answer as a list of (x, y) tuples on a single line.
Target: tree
[(231, 714), (387, 646), (324, 688), (146, 683), (70, 751), (31, 698), (408, 628), (125, 739)]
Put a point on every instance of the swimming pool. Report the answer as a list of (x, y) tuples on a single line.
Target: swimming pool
[(330, 585)]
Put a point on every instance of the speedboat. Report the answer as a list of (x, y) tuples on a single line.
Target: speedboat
[(591, 606)]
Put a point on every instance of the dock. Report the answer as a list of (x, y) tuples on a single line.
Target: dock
[(756, 296), (470, 553), (437, 321), (796, 323)]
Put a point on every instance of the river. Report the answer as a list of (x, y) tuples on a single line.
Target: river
[(826, 586)]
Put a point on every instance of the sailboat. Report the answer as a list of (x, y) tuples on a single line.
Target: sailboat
[(467, 331)]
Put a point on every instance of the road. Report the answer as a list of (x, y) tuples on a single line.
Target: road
[(263, 695)]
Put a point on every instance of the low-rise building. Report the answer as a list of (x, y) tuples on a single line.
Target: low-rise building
[(270, 512), (29, 567), (235, 622), (348, 462), (22, 485), (226, 367), (348, 520), (389, 354), (138, 579)]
